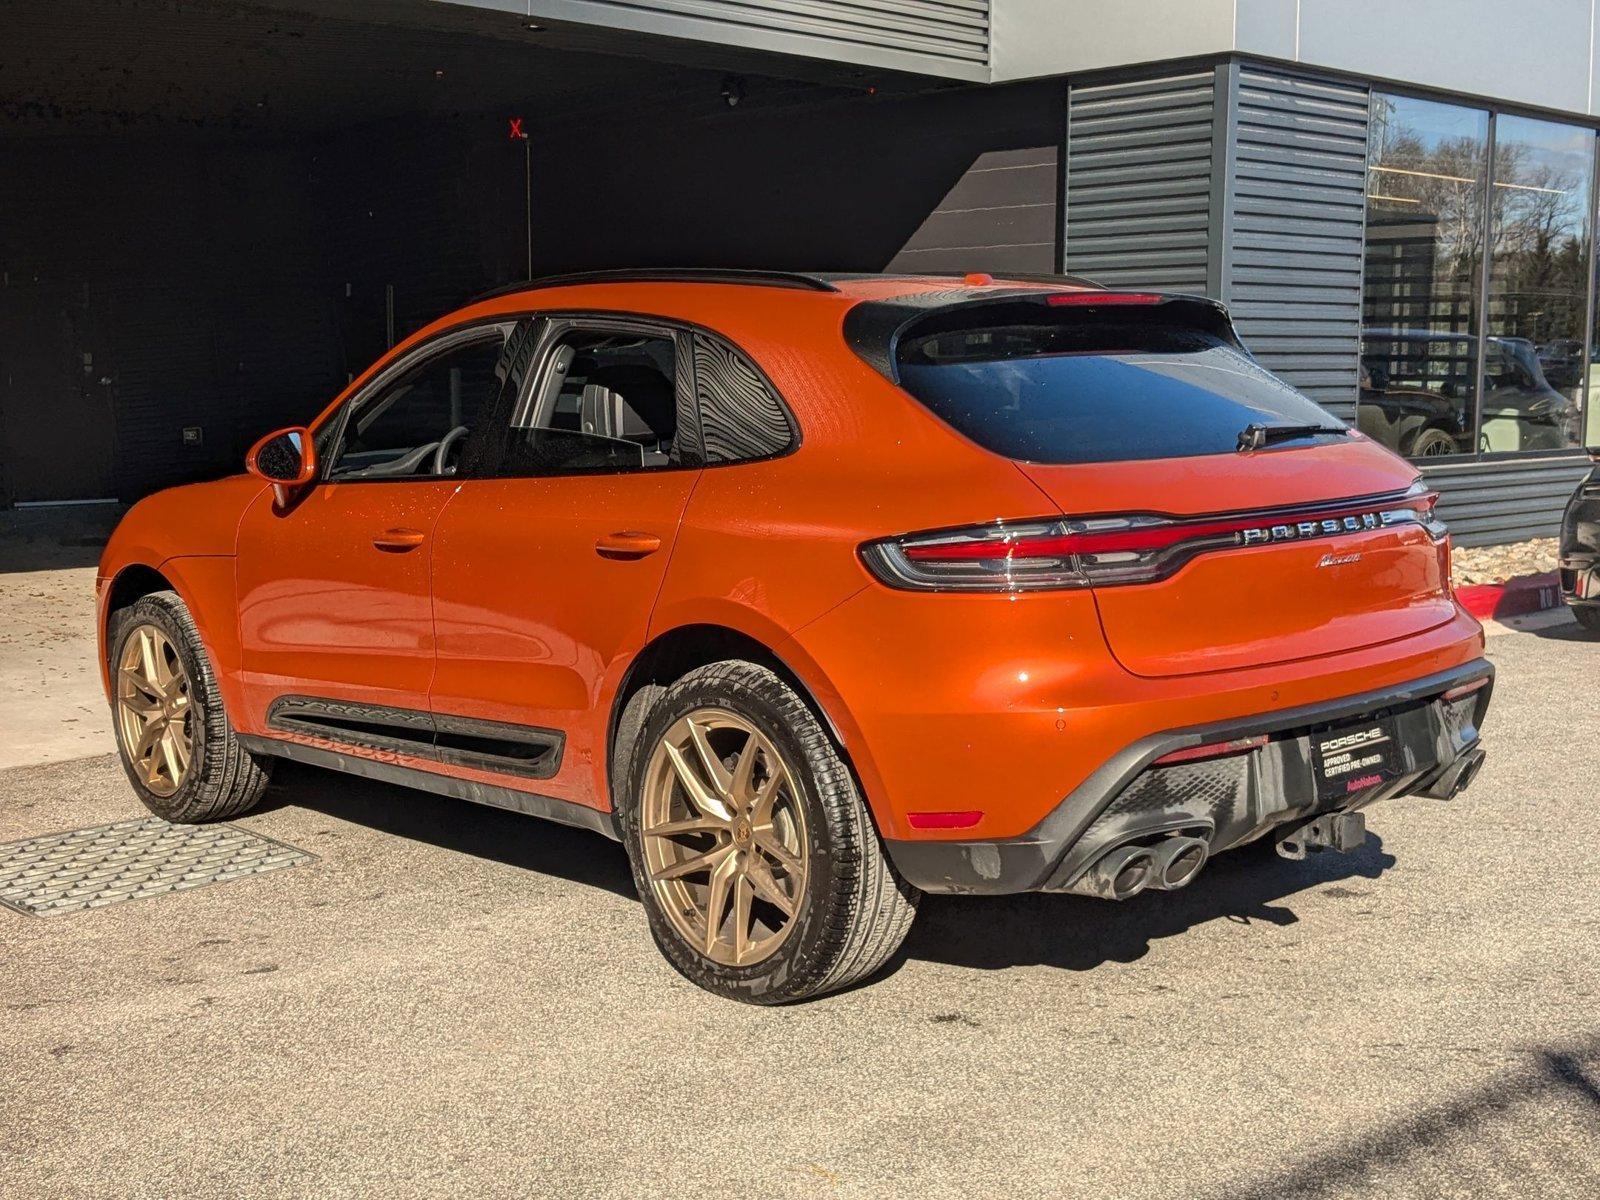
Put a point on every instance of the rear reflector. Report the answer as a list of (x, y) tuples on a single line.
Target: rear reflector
[(1212, 750), (944, 820), (1466, 689), (1098, 298)]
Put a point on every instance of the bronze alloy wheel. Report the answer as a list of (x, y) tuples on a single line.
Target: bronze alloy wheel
[(724, 837), (153, 706)]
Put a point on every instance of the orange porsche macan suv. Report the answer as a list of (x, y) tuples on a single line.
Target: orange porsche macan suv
[(818, 593)]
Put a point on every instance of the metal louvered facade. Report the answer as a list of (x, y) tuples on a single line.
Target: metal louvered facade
[(1139, 183), (948, 38), (1248, 182), (1295, 213), (1486, 504)]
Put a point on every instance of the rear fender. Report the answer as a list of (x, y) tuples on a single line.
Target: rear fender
[(759, 627)]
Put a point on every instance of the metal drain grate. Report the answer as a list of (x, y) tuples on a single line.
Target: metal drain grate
[(90, 868)]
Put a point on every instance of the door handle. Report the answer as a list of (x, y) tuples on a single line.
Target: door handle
[(627, 544), (399, 539)]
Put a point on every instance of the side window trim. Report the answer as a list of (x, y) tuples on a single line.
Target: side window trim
[(442, 344)]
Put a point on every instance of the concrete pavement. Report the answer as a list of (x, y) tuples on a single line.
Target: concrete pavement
[(453, 1000), (51, 705)]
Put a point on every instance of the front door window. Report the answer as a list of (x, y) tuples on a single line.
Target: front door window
[(425, 422)]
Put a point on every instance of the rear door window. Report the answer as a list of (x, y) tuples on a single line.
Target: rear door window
[(1043, 386), (606, 401)]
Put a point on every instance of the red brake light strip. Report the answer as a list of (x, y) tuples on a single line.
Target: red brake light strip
[(1064, 298), (1156, 536)]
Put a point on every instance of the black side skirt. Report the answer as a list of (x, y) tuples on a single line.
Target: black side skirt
[(563, 811), (464, 741)]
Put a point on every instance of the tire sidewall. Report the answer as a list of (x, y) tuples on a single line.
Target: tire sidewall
[(803, 957), (158, 611)]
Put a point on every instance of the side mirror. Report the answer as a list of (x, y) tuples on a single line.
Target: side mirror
[(286, 459)]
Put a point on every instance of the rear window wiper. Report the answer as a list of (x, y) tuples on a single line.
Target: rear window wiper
[(1258, 434)]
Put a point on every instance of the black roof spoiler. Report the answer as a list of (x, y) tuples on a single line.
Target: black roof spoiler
[(874, 329)]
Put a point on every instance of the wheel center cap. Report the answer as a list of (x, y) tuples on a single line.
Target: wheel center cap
[(741, 831)]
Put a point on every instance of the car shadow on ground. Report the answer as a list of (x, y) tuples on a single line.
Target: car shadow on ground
[(1077, 933), (53, 539), (1567, 631), (490, 833), (982, 932), (1555, 1088)]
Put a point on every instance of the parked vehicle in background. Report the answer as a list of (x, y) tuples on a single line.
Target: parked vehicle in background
[(1561, 361), (1418, 389), (1580, 551), (818, 594)]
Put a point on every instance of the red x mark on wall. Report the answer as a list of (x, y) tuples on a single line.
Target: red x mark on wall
[(517, 133)]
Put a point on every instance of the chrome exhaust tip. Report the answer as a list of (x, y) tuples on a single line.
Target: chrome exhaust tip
[(1119, 874), (1177, 861), (1456, 776)]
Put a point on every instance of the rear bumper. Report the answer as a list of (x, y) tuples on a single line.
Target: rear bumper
[(1580, 544), (1580, 580), (1229, 800)]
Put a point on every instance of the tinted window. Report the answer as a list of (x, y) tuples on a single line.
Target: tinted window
[(399, 430), (1068, 388), (607, 402)]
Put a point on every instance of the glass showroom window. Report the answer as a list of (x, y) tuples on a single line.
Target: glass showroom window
[(1426, 169), (1535, 356)]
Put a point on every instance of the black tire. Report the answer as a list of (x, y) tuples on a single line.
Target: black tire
[(1432, 442), (1588, 616), (855, 910), (223, 778)]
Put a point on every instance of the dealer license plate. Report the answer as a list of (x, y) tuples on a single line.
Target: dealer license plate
[(1353, 758)]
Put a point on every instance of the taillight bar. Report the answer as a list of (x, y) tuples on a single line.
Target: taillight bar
[(1104, 551)]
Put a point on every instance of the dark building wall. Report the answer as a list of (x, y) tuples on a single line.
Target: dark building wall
[(958, 180), (235, 288), (955, 181), (149, 288), (1294, 211)]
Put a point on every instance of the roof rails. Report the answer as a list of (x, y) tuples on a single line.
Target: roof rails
[(778, 279)]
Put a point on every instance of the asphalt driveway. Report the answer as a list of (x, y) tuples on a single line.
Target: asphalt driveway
[(451, 1000)]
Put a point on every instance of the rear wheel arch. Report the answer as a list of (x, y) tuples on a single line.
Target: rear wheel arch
[(672, 655)]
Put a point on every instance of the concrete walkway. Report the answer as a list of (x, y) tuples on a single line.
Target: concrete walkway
[(51, 706), (456, 1001)]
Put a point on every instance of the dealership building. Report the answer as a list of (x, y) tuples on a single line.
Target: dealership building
[(213, 212)]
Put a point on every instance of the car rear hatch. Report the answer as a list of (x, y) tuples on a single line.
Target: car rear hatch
[(1222, 519)]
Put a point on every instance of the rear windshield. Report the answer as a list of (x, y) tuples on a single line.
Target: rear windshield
[(1046, 386)]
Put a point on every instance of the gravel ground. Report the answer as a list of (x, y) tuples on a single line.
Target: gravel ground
[(1495, 564), (455, 1001)]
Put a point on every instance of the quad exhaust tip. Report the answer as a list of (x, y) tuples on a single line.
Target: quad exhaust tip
[(1120, 874), (1124, 872), (1178, 861), (1456, 777)]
